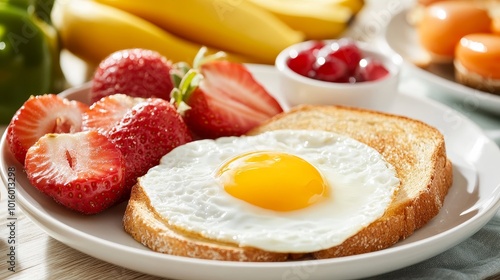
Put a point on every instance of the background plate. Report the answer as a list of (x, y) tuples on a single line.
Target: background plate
[(470, 204), (402, 38)]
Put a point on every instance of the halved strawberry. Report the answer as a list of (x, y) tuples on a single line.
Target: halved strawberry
[(223, 99), (108, 112), (143, 129), (83, 171), (135, 72), (40, 115)]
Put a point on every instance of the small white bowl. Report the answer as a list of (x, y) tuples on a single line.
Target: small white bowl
[(376, 95)]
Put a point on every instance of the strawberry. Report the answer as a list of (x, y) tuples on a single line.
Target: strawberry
[(135, 72), (40, 115), (107, 112), (221, 98), (83, 171), (143, 129)]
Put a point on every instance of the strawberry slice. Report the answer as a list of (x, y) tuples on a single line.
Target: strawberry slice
[(106, 113), (83, 171), (143, 129), (40, 115), (135, 72), (221, 98)]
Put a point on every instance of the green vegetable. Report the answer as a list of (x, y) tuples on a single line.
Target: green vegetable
[(29, 54)]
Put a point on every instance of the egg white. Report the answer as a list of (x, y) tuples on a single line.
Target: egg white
[(183, 189)]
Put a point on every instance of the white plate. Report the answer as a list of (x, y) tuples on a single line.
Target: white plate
[(470, 204), (402, 38)]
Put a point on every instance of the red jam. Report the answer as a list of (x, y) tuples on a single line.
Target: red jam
[(339, 62)]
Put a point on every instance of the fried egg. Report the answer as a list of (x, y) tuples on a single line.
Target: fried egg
[(279, 191)]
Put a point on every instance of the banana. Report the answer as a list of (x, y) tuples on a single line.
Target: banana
[(231, 25), (316, 21), (92, 31), (319, 19), (354, 5)]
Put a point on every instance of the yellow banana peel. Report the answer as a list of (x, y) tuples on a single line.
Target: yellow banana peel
[(92, 31), (316, 19), (354, 5), (235, 26)]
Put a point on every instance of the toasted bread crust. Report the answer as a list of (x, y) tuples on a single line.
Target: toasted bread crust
[(415, 149), (143, 223)]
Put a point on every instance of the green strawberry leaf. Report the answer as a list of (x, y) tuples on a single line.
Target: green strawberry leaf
[(187, 79)]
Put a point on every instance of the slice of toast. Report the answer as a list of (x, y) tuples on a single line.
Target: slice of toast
[(415, 149)]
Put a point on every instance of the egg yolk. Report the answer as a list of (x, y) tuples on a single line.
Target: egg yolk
[(273, 180)]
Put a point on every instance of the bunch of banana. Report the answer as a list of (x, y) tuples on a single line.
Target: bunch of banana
[(252, 31), (92, 31)]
